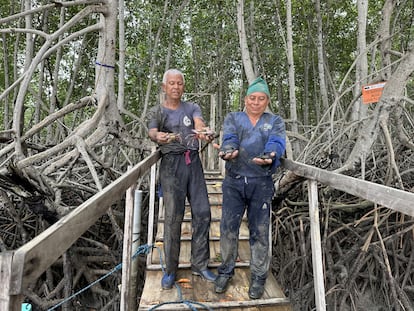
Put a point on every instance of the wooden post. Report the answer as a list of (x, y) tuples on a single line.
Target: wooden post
[(151, 209), (8, 302), (5, 273), (136, 235), (316, 246), (126, 299), (212, 156)]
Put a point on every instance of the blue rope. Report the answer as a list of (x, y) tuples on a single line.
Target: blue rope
[(104, 65), (160, 254), (188, 303), (143, 249)]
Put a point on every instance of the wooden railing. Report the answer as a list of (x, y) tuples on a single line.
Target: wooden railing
[(395, 199), (21, 267)]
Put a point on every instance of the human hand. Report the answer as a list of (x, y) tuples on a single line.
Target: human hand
[(165, 138), (229, 154), (264, 159), (206, 134)]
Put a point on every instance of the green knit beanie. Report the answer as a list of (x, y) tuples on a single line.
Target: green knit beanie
[(258, 85)]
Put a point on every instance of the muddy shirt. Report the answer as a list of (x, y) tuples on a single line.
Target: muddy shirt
[(179, 121), (267, 136)]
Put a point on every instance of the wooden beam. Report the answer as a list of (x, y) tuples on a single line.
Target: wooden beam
[(33, 258), (395, 199), (156, 266), (257, 303)]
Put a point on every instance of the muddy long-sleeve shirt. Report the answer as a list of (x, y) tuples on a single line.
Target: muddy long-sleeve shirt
[(268, 135)]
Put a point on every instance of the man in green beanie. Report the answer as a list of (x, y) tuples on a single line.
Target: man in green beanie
[(253, 142)]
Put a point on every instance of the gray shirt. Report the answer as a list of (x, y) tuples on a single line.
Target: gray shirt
[(179, 122)]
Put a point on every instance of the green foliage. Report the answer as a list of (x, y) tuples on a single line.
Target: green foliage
[(204, 44)]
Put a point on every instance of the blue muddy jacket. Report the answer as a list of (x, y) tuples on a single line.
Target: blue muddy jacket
[(267, 136)]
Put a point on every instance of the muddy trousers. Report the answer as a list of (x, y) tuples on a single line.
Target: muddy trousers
[(182, 177), (253, 195)]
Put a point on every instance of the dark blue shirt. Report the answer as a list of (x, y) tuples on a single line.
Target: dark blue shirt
[(268, 135)]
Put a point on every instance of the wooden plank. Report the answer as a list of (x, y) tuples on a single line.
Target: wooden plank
[(214, 187), (186, 231), (211, 265), (215, 213), (198, 290), (213, 174), (185, 252), (214, 199), (33, 258), (395, 199), (214, 227)]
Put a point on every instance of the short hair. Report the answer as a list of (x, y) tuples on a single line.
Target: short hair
[(172, 72)]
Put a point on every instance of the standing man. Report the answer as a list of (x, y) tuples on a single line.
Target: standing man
[(253, 142), (176, 126)]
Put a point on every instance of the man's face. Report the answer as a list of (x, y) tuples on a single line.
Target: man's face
[(174, 86), (256, 103)]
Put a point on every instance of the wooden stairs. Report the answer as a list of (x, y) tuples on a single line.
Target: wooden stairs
[(196, 291)]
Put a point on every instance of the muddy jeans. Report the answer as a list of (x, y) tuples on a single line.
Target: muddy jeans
[(254, 195), (182, 176)]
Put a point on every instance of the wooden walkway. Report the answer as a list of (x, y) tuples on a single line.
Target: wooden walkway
[(193, 288)]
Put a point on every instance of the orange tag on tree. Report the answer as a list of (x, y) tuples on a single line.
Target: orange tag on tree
[(371, 93)]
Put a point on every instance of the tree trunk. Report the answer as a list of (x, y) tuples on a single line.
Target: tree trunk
[(321, 58), (391, 96), (291, 73), (244, 48), (254, 46), (359, 110)]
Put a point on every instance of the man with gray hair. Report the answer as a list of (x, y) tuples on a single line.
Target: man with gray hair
[(176, 126)]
